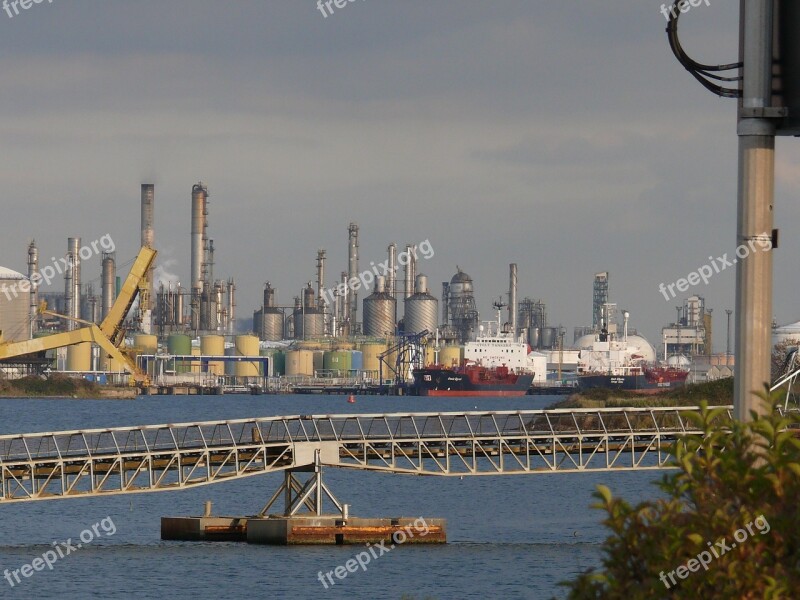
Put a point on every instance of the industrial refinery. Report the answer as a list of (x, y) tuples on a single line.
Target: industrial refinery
[(365, 331)]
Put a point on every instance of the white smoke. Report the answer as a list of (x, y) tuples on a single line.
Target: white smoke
[(162, 275)]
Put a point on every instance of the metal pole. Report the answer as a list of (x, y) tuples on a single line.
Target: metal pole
[(728, 312), (755, 198)]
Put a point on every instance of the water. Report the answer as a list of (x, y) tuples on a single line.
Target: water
[(509, 536)]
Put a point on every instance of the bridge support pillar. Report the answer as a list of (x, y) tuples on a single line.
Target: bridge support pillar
[(304, 496)]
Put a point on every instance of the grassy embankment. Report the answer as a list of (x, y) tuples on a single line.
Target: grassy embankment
[(716, 393), (56, 386)]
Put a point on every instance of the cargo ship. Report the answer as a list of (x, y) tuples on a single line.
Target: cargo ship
[(635, 379), (470, 380), (617, 364), (495, 364)]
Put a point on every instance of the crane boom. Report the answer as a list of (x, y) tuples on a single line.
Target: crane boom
[(112, 324), (110, 332)]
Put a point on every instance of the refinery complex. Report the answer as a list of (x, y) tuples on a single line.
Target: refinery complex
[(361, 330)]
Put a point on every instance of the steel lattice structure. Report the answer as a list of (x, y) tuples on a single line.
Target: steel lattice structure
[(71, 464)]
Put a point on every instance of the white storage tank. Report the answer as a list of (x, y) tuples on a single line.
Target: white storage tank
[(15, 301)]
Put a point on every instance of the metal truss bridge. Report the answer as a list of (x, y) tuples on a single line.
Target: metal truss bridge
[(96, 462)]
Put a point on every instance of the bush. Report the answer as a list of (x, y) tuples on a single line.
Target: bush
[(738, 477)]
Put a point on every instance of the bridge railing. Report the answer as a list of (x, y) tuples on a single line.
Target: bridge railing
[(155, 457), (319, 428)]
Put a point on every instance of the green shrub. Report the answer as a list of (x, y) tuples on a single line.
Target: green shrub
[(738, 477)]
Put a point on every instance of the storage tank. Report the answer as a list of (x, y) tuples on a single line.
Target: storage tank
[(195, 364), (390, 362), (380, 311), (309, 321), (246, 345), (786, 334), (299, 362), (534, 337), (639, 346), (109, 363), (450, 356), (356, 360), (585, 342), (277, 362), (421, 309), (461, 306), (14, 305), (230, 366), (79, 357), (272, 325), (337, 360), (430, 355), (549, 337), (370, 352), (179, 344), (318, 361), (213, 345), (147, 344)]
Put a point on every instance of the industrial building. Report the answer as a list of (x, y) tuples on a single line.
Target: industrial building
[(691, 334), (369, 332)]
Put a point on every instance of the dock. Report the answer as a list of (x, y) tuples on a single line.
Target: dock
[(305, 530)]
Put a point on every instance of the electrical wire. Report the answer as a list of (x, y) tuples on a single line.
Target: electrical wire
[(702, 72)]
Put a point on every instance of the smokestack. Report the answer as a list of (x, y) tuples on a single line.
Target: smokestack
[(344, 303), (148, 240), (321, 255), (219, 309), (352, 270), (208, 276), (92, 301), (410, 269), (269, 295), (512, 298), (33, 277), (108, 282), (72, 282), (198, 229), (148, 202), (231, 306), (391, 276), (445, 303), (199, 193)]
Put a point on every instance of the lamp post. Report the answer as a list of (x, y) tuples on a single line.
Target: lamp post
[(728, 312)]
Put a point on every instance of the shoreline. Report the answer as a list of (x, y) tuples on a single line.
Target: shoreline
[(716, 393)]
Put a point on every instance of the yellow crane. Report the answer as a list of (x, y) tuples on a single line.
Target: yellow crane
[(108, 335)]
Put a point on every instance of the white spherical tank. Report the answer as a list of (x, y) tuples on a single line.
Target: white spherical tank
[(680, 362), (585, 342), (14, 305), (640, 347), (786, 333)]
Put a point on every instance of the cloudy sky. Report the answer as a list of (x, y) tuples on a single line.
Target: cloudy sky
[(562, 136)]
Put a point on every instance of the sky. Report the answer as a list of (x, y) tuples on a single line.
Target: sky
[(562, 136)]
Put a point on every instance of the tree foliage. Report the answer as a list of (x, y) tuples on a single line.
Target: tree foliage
[(734, 475)]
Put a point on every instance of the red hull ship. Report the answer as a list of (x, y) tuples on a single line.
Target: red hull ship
[(470, 380)]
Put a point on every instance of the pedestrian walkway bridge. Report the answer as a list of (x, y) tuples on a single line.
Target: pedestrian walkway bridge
[(94, 462)]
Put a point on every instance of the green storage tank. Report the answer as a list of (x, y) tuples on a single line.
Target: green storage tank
[(181, 344)]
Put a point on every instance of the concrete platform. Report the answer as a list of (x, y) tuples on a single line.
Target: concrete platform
[(306, 530), (204, 529), (334, 530)]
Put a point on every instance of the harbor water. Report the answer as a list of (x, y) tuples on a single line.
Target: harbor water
[(508, 536)]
